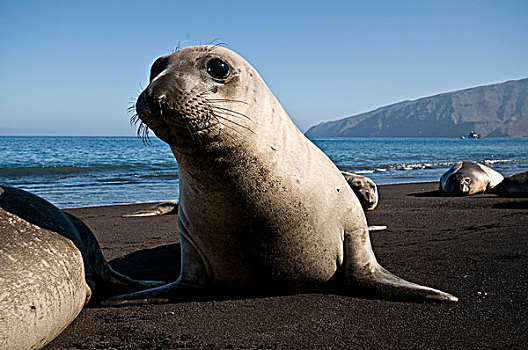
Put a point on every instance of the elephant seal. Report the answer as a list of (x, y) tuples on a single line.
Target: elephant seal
[(255, 225), (466, 178), (50, 267), (163, 208), (515, 185), (364, 188)]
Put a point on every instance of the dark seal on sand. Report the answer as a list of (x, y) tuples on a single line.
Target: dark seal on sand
[(50, 266), (515, 185)]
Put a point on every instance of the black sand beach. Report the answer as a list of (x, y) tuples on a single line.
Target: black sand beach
[(473, 247)]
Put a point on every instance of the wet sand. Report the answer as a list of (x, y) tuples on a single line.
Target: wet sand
[(473, 247)]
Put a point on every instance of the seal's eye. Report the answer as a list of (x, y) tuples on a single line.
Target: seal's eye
[(217, 68)]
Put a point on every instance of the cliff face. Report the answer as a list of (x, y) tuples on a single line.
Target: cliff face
[(498, 110)]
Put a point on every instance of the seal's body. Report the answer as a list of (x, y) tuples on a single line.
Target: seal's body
[(255, 223), (515, 185), (50, 266), (467, 178), (42, 284)]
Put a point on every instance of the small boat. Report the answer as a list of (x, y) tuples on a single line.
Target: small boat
[(471, 135)]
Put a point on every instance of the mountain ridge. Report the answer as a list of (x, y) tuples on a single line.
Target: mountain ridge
[(494, 110)]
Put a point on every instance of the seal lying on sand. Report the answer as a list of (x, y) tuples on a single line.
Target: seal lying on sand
[(466, 178), (364, 188), (50, 266), (255, 225), (163, 208), (515, 185)]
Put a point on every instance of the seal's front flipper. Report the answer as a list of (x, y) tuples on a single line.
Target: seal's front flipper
[(118, 280), (194, 277), (365, 276)]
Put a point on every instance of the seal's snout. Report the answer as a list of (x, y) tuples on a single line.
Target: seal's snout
[(464, 185), (460, 184), (153, 100), (372, 199), (159, 99)]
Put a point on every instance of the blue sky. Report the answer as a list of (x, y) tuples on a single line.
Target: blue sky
[(73, 67)]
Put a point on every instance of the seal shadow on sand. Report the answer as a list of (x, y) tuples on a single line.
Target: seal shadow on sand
[(503, 205), (511, 205), (440, 193), (161, 263), (435, 193)]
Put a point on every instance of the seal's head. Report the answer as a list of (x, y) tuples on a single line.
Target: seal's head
[(459, 184), (198, 94), (366, 191)]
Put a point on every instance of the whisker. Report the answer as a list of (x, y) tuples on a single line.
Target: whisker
[(177, 48), (134, 119), (233, 122), (190, 131), (211, 44), (225, 100), (142, 131), (227, 126), (143, 134), (229, 112), (223, 109)]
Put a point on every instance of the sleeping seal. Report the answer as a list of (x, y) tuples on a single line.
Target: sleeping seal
[(466, 178), (50, 266), (364, 188), (163, 208), (255, 225)]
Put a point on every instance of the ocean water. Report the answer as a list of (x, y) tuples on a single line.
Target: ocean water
[(89, 171)]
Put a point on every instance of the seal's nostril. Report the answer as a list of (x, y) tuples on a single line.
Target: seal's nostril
[(158, 66)]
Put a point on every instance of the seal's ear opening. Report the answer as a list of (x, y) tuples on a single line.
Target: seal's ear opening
[(158, 66)]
